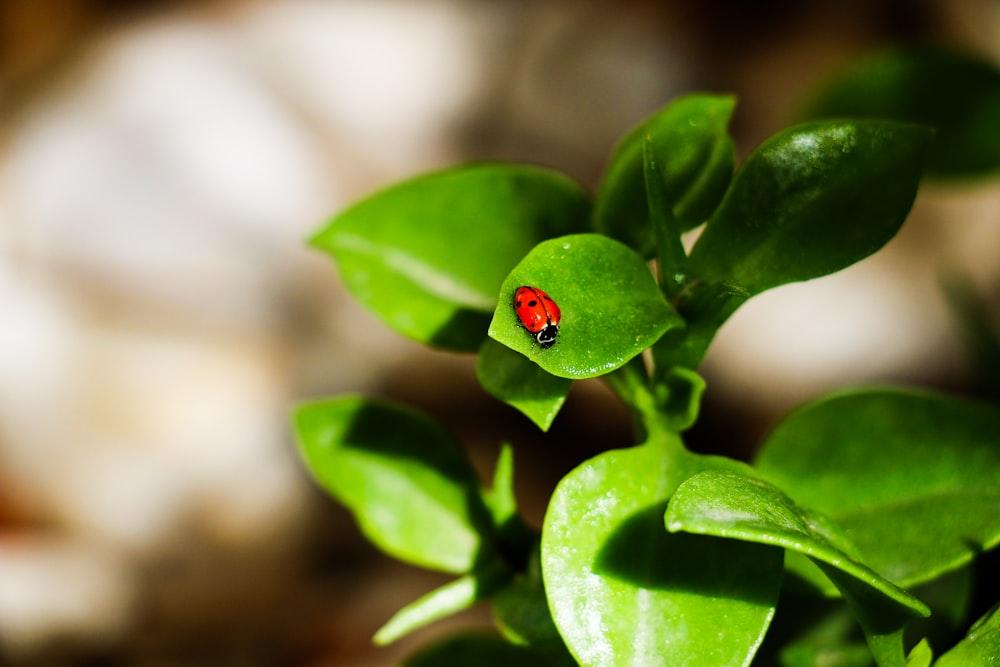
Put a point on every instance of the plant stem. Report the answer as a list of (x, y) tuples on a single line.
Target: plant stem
[(631, 383)]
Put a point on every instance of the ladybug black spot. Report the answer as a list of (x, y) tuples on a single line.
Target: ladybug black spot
[(517, 304), (532, 303)]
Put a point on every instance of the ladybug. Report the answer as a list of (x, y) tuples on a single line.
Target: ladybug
[(538, 313)]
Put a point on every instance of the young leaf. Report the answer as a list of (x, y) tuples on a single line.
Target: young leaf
[(914, 478), (957, 94), (515, 380), (624, 592), (611, 306), (812, 200), (428, 255), (521, 610), (671, 257), (405, 479), (980, 647), (484, 650), (449, 599), (920, 655), (514, 539), (678, 398), (725, 504), (500, 498), (695, 156)]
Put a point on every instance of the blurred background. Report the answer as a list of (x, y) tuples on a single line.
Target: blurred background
[(161, 164)]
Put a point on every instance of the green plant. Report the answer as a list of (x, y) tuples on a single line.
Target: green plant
[(651, 554)]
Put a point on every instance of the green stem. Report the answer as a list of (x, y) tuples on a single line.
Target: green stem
[(631, 384)]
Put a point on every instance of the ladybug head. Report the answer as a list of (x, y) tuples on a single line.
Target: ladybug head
[(547, 336)]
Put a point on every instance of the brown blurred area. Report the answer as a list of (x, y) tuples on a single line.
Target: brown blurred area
[(161, 164)]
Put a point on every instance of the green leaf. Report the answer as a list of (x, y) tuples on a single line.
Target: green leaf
[(980, 648), (611, 306), (725, 504), (521, 610), (955, 93), (829, 640), (678, 398), (428, 255), (514, 539), (838, 655), (406, 480), (914, 478), (500, 499), (449, 599), (520, 383), (671, 257), (882, 618), (484, 650), (950, 597), (920, 655), (623, 591), (695, 157), (812, 200)]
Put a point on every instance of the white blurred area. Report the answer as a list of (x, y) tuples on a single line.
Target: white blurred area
[(160, 315)]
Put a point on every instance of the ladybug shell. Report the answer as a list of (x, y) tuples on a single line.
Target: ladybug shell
[(538, 313)]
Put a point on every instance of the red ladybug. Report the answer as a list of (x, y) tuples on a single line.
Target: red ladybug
[(538, 313)]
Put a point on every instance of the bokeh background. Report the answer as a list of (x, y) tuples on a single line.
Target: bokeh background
[(161, 164)]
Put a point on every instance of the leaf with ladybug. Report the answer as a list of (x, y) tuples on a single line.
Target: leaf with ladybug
[(607, 306)]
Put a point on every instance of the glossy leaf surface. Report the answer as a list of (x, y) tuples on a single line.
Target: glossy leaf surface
[(623, 591), (812, 200), (730, 505), (406, 480), (919, 467), (428, 255), (611, 306), (726, 504)]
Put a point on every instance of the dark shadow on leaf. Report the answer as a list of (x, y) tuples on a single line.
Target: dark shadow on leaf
[(487, 651), (399, 434), (642, 553), (464, 331)]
